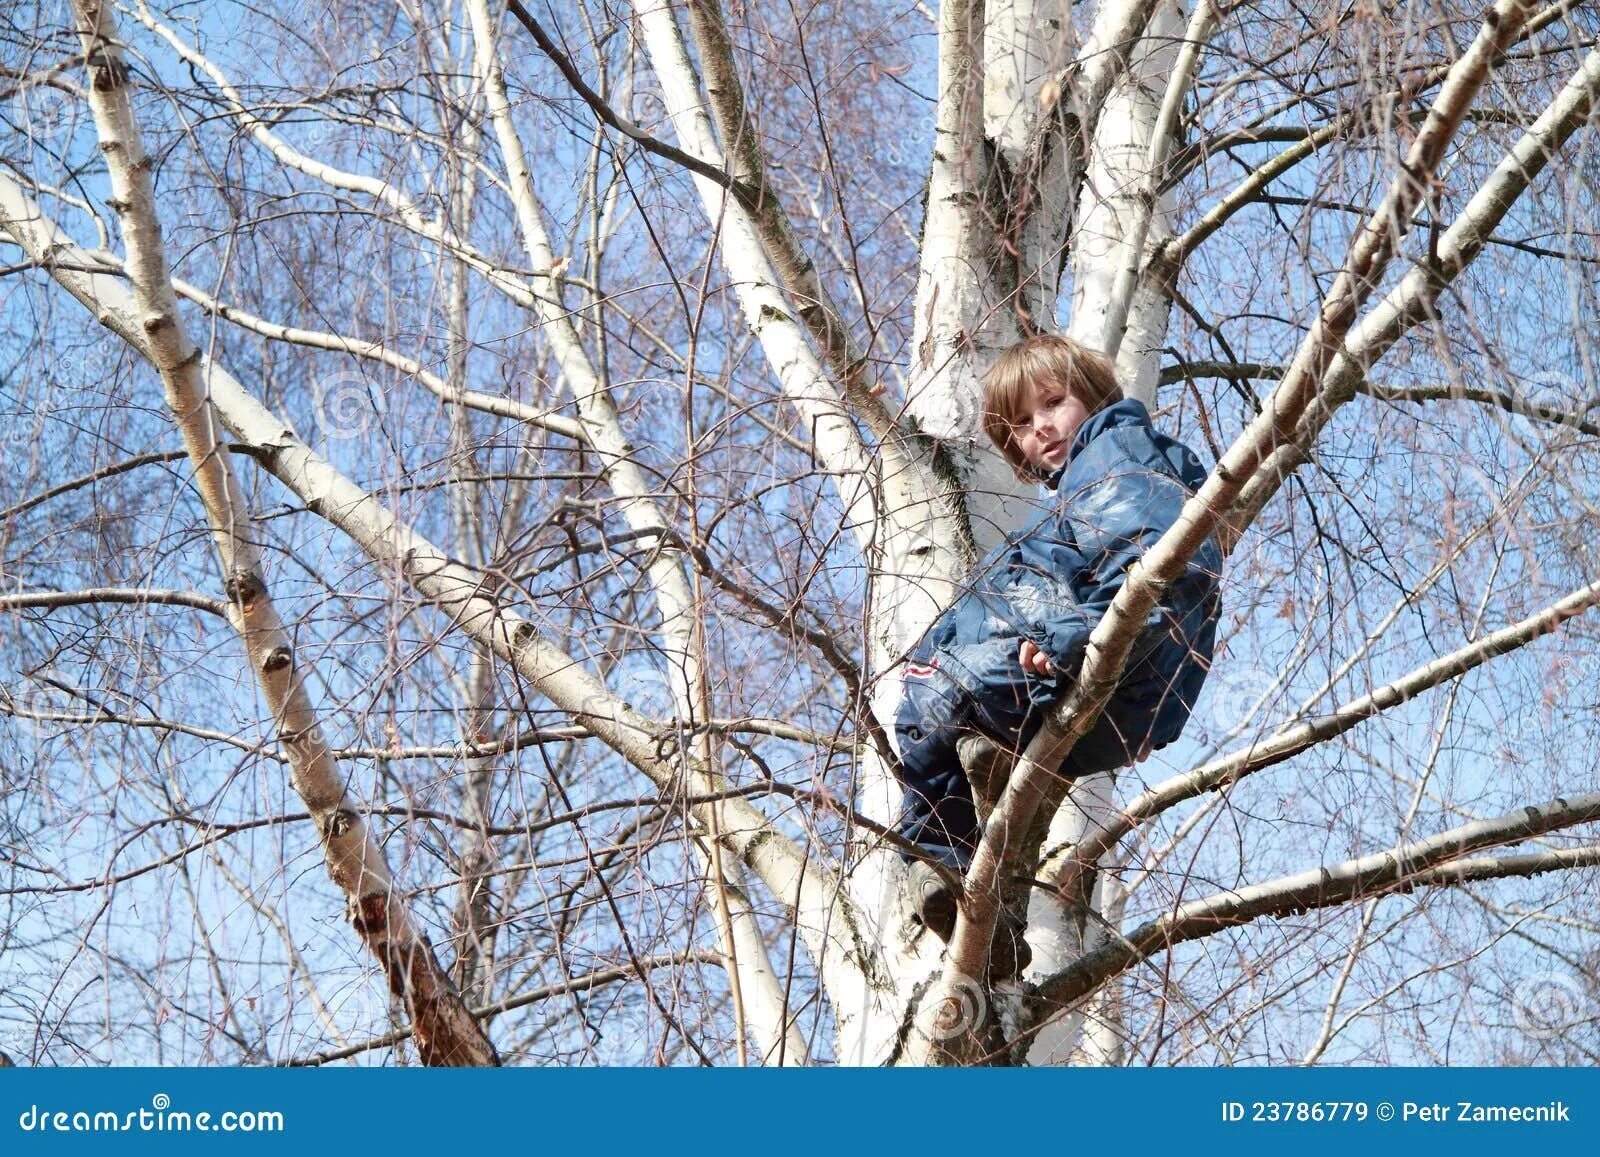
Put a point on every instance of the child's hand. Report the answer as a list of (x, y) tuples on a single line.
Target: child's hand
[(1034, 660)]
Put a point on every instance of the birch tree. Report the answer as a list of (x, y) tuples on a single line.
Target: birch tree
[(591, 394)]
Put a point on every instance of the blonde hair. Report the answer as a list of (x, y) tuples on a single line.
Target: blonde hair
[(1084, 373)]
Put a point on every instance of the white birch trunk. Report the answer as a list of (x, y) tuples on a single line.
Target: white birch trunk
[(1103, 1040), (1072, 106), (865, 1005), (475, 926), (1119, 208), (1140, 305), (1025, 44), (966, 309), (1059, 936)]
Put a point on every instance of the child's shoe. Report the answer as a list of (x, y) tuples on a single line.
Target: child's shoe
[(933, 897)]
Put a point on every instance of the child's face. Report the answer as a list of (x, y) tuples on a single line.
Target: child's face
[(1045, 427)]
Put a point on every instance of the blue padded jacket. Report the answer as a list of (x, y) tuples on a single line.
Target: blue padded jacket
[(1120, 490)]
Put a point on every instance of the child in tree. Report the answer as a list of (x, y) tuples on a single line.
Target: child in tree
[(1011, 645)]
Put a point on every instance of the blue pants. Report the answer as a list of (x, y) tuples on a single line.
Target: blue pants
[(936, 713)]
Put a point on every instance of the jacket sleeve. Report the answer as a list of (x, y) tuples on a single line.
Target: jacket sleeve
[(1023, 590), (1134, 496), (1058, 622)]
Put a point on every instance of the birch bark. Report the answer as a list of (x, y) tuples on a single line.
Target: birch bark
[(475, 926), (1123, 211), (1122, 214), (889, 510), (446, 1033), (1009, 834), (967, 308)]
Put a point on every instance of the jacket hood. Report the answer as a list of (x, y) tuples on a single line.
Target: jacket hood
[(1128, 412)]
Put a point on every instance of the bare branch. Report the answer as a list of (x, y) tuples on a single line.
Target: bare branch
[(1437, 860), (1225, 772), (586, 982), (133, 596)]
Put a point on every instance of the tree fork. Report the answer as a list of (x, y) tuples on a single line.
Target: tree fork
[(1033, 784)]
